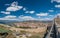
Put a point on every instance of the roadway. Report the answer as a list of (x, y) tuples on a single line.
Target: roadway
[(53, 32), (58, 30)]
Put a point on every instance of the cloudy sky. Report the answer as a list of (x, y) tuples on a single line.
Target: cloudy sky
[(29, 9)]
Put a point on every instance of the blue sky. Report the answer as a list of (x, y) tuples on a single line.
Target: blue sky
[(29, 9)]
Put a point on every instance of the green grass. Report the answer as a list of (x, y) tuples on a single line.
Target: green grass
[(35, 36), (2, 30), (23, 27)]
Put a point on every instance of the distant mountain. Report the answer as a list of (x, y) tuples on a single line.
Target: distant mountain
[(7, 21), (37, 21), (14, 21)]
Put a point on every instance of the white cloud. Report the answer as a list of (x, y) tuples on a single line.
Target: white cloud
[(14, 7), (26, 18), (45, 19), (42, 14), (31, 12), (58, 1), (24, 9), (9, 17), (57, 6), (58, 14), (51, 15), (27, 12), (51, 10), (23, 18), (48, 19), (5, 12)]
